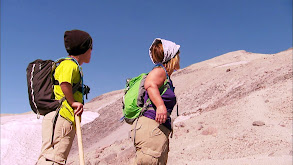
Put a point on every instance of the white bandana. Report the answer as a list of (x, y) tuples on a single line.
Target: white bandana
[(169, 47)]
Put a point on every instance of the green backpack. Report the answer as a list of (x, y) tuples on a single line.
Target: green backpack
[(133, 99)]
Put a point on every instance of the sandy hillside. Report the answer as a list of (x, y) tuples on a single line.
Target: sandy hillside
[(21, 137), (233, 109)]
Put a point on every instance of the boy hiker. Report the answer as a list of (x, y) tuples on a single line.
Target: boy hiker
[(58, 129)]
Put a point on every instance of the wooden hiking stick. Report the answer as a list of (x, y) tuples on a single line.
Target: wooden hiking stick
[(79, 139)]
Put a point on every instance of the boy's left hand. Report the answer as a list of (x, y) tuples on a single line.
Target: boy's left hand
[(78, 108)]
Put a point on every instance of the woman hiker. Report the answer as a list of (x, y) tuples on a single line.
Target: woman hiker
[(154, 126)]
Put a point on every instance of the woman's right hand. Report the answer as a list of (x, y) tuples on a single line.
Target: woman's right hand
[(161, 114)]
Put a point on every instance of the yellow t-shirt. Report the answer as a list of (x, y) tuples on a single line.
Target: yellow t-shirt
[(67, 71)]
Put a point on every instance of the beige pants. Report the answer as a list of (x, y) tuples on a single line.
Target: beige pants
[(58, 151), (151, 142)]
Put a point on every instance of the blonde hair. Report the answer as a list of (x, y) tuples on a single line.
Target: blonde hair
[(157, 52)]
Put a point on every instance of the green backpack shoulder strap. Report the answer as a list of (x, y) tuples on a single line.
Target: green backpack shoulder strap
[(168, 80)]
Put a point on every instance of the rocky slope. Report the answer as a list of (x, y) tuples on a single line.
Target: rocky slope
[(236, 107)]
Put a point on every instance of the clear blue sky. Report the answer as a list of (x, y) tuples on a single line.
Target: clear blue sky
[(123, 31)]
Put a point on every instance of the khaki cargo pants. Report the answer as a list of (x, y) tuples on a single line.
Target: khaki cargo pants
[(58, 151), (151, 142)]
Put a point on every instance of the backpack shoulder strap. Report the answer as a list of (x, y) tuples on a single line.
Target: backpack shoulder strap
[(58, 61), (161, 65), (168, 80), (77, 85)]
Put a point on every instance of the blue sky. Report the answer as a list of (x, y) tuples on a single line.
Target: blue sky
[(123, 31)]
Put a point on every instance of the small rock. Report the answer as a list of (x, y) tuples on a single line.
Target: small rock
[(187, 131), (98, 152), (184, 114), (111, 158), (258, 123), (282, 124), (228, 70), (200, 110), (209, 131), (180, 125), (199, 127)]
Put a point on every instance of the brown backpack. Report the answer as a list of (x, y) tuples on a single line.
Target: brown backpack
[(40, 83)]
